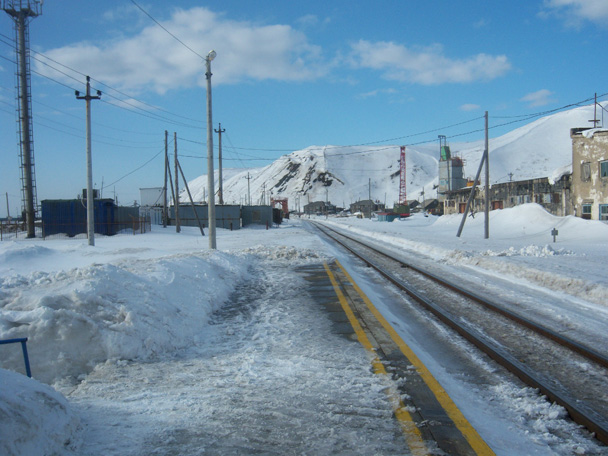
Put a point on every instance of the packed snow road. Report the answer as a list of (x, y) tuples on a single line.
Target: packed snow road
[(268, 377)]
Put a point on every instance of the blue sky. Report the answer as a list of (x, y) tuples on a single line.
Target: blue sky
[(288, 75)]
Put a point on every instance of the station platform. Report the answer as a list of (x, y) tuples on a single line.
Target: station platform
[(430, 421)]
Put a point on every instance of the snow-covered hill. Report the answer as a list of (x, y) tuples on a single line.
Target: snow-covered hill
[(345, 174)]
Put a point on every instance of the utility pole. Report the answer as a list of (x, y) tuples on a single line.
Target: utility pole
[(165, 208), (369, 191), (210, 177), (221, 184), (248, 188), (20, 13), (487, 208), (90, 199), (484, 161), (595, 119), (8, 211), (178, 227)]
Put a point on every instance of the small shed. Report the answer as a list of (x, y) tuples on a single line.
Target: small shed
[(257, 215), (387, 216), (70, 217)]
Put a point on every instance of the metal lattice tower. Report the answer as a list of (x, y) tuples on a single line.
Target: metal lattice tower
[(402, 193), (21, 11)]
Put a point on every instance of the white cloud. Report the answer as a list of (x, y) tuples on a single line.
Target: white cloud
[(426, 65), (538, 98), (311, 20), (152, 59), (574, 12), (377, 92), (469, 107)]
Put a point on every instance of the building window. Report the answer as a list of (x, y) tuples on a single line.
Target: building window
[(586, 171), (604, 212), (586, 211), (604, 168)]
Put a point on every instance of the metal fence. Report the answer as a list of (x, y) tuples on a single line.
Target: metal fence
[(17, 230)]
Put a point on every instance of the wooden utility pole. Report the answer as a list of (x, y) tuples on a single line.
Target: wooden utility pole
[(221, 184), (176, 197)]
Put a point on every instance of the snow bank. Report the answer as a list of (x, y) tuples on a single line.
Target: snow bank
[(519, 237), (132, 309), (34, 418)]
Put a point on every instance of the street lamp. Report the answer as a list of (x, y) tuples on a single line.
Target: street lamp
[(210, 179)]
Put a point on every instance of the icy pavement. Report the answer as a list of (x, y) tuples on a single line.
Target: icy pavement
[(268, 377)]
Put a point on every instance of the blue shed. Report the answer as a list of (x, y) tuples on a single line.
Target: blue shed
[(70, 217), (387, 216)]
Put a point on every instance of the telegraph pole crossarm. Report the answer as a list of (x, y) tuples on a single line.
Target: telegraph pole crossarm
[(90, 200)]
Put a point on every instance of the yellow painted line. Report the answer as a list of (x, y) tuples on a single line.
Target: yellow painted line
[(463, 425), (409, 428)]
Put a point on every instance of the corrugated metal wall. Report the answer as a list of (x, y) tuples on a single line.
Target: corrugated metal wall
[(70, 217), (257, 215), (227, 217)]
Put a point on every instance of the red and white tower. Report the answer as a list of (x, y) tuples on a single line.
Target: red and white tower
[(402, 194)]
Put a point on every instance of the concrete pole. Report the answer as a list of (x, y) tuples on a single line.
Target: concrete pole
[(165, 206), (90, 199), (220, 192), (178, 225), (487, 208), (210, 177)]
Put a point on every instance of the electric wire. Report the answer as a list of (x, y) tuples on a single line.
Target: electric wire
[(116, 90), (161, 26), (135, 170), (517, 119), (145, 113)]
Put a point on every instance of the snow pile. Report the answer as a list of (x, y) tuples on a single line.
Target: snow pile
[(34, 418), (133, 309), (284, 254), (531, 250)]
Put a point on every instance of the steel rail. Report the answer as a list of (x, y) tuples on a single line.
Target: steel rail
[(578, 412), (562, 340)]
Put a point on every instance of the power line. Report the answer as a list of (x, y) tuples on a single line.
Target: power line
[(112, 88), (161, 26), (126, 102), (135, 170)]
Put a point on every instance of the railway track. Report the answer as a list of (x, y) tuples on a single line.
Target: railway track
[(566, 371)]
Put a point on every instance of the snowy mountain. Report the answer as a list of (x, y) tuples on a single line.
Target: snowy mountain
[(345, 174)]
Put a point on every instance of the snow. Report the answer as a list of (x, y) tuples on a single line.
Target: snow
[(35, 419), (146, 337), (346, 174)]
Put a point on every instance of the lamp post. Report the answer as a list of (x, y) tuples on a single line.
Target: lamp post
[(210, 179)]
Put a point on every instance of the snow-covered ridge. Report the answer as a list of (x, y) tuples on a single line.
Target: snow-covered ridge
[(345, 174)]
